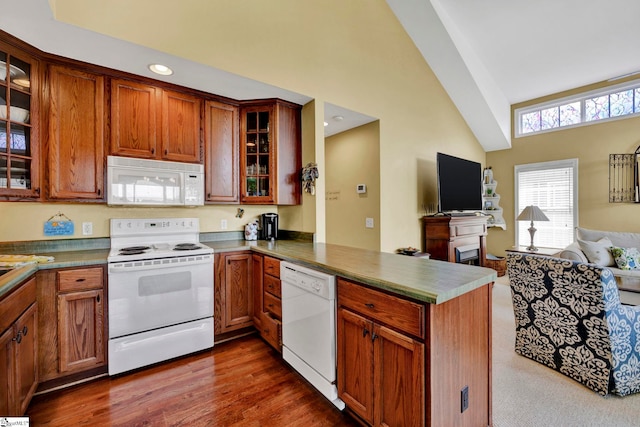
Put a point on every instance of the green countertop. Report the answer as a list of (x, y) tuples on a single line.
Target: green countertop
[(423, 279)]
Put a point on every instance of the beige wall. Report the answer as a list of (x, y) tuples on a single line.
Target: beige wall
[(352, 158), (591, 145), (354, 54)]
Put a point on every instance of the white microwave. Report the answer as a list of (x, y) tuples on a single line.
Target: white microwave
[(144, 182)]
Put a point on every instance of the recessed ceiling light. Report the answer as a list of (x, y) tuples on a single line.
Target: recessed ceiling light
[(161, 69), (338, 118)]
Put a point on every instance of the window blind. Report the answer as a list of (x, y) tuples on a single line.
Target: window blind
[(552, 186)]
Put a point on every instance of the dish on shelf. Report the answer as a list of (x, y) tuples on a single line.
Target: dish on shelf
[(14, 72), (17, 114)]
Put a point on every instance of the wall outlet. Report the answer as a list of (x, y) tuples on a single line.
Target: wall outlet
[(368, 222), (223, 224), (464, 399), (87, 228)]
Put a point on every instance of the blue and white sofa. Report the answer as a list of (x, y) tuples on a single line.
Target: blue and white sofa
[(569, 317)]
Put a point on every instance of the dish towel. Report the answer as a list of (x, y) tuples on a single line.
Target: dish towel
[(14, 261)]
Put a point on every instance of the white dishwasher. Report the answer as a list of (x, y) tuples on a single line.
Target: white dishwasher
[(309, 326)]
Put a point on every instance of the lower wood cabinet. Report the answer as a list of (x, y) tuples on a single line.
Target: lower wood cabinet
[(72, 322), (233, 288), (380, 371), (405, 363), (267, 304), (18, 349)]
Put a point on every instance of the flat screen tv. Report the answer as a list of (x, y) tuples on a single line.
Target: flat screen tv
[(459, 184)]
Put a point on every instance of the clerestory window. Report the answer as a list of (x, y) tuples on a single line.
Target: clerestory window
[(611, 103)]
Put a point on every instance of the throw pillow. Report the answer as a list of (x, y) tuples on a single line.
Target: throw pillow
[(626, 258), (598, 252)]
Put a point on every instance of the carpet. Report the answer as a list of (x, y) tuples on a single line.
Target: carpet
[(528, 394)]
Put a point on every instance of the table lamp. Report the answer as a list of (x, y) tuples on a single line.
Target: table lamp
[(532, 213)]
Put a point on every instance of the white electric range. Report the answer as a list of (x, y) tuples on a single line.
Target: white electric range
[(160, 291)]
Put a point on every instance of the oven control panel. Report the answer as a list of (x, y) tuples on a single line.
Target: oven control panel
[(127, 227)]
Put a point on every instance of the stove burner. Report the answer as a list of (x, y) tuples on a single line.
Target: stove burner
[(123, 252), (186, 247), (135, 249)]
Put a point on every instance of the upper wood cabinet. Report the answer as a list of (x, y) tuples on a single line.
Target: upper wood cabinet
[(19, 143), (221, 147), (75, 134), (270, 153), (151, 123)]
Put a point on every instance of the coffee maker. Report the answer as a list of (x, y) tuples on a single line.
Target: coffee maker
[(268, 226)]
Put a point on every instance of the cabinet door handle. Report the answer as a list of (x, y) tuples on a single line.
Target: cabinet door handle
[(18, 337), (365, 331), (98, 298), (373, 336), (166, 152), (99, 192), (369, 305), (153, 151), (25, 330), (81, 280)]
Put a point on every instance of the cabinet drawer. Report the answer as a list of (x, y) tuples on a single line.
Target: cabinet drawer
[(80, 279), (271, 331), (17, 302), (272, 266), (273, 286), (398, 313), (272, 305)]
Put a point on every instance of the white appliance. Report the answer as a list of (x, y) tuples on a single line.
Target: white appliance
[(160, 291), (154, 182), (309, 326)]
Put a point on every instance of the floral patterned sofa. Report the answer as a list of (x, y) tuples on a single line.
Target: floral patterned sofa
[(569, 317)]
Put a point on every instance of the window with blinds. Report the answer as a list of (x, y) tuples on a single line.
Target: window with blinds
[(553, 187)]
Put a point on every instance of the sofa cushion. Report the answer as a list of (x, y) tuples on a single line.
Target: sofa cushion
[(620, 239), (573, 252), (598, 252), (626, 258)]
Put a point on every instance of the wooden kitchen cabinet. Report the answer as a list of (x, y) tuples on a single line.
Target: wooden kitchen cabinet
[(380, 370), (267, 301), (234, 291), (405, 363), (18, 349), (73, 326), (151, 123), (221, 145), (75, 135), (270, 153), (19, 122)]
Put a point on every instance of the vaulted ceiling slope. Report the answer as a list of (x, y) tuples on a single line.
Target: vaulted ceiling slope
[(491, 54)]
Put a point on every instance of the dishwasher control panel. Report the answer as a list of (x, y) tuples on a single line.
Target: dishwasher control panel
[(313, 281)]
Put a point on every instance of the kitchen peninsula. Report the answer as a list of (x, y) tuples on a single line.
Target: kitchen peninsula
[(433, 355)]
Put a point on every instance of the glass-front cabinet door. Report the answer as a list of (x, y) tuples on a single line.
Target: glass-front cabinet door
[(257, 156), (18, 157)]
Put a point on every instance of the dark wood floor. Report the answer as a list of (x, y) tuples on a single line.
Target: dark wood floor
[(238, 383)]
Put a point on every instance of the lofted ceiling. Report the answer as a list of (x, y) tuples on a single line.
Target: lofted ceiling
[(490, 54), (487, 54)]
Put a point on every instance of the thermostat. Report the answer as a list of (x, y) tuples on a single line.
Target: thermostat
[(361, 188)]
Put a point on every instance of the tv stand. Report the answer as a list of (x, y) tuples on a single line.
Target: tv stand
[(456, 238)]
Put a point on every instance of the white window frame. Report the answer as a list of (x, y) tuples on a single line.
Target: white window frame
[(580, 97), (555, 164)]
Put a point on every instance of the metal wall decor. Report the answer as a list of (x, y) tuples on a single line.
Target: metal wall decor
[(624, 177)]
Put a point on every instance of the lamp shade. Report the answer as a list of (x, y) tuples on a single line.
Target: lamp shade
[(532, 213)]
